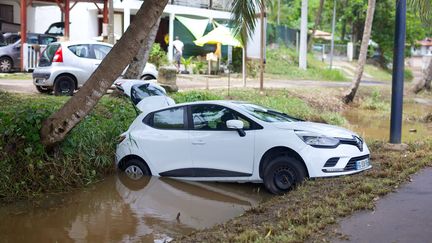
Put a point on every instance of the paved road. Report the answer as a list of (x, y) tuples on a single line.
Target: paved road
[(186, 82), (404, 216)]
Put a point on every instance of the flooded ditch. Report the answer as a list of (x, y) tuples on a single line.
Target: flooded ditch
[(119, 209), (156, 210)]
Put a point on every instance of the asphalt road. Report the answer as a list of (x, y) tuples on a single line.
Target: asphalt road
[(404, 216)]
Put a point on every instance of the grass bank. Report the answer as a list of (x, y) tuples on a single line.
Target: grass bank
[(15, 76), (87, 154), (307, 212), (283, 63)]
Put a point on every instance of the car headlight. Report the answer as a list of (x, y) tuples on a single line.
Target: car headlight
[(317, 140)]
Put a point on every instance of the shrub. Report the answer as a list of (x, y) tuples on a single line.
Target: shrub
[(158, 56)]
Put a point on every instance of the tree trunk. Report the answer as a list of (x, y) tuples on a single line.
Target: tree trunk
[(137, 66), (349, 96), (56, 127), (316, 24), (425, 81)]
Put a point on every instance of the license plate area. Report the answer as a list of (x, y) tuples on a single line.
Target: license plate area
[(40, 80), (362, 164)]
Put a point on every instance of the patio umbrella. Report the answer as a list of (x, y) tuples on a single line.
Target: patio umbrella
[(220, 34)]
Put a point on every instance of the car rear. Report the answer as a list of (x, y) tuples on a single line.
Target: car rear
[(50, 60)]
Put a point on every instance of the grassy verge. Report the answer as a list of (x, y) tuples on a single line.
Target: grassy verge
[(84, 157), (307, 212), (283, 63), (15, 76)]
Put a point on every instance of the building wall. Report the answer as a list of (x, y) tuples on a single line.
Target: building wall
[(84, 22), (16, 9)]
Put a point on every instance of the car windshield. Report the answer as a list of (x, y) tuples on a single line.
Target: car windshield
[(266, 114)]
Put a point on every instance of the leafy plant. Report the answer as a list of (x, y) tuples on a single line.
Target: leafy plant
[(158, 56), (186, 62)]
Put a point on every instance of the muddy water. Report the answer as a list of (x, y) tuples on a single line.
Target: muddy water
[(376, 124), (119, 209)]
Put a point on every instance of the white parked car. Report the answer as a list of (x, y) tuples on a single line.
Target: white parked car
[(237, 142), (65, 66)]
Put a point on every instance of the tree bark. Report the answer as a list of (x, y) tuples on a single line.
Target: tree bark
[(316, 24), (137, 66), (349, 96), (56, 127), (425, 81)]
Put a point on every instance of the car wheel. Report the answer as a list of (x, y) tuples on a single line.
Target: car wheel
[(147, 77), (43, 90), (135, 169), (282, 174), (5, 64), (64, 85)]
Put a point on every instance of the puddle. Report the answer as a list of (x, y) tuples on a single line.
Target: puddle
[(376, 124), (119, 209)]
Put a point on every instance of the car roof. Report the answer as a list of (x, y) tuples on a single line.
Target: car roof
[(90, 42), (229, 103)]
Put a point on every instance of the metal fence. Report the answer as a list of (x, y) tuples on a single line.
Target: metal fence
[(323, 52), (31, 55), (280, 34)]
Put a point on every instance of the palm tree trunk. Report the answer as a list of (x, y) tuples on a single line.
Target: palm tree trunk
[(349, 96), (316, 24), (56, 127), (425, 81), (137, 66)]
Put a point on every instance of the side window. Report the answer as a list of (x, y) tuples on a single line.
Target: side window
[(45, 40), (101, 51), (214, 117), (169, 119), (80, 50)]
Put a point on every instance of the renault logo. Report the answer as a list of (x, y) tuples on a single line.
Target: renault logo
[(359, 142)]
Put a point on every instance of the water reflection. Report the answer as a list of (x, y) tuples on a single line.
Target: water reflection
[(120, 209)]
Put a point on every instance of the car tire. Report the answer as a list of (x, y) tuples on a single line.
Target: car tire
[(147, 77), (64, 85), (6, 64), (43, 90), (135, 169), (282, 174)]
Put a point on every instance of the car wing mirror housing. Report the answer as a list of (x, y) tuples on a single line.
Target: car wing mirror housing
[(236, 125)]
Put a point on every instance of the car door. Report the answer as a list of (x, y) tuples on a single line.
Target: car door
[(100, 52), (165, 141), (216, 150)]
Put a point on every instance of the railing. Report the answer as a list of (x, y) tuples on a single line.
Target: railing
[(31, 55), (223, 5)]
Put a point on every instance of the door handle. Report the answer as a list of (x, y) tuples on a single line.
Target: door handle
[(198, 142)]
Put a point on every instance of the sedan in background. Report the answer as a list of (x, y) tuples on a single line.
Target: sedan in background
[(237, 142)]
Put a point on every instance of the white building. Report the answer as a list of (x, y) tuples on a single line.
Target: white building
[(86, 18)]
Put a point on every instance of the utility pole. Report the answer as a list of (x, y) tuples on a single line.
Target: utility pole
[(303, 36), (333, 34), (398, 73), (111, 38)]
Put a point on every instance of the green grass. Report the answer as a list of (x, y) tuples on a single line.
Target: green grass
[(15, 76), (283, 63), (281, 100), (377, 73), (84, 157)]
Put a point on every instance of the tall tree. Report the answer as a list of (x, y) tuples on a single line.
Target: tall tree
[(349, 96), (424, 9), (56, 127), (137, 66)]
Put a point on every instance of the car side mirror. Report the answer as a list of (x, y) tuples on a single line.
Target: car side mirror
[(236, 125)]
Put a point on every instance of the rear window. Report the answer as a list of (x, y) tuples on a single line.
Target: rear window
[(48, 55)]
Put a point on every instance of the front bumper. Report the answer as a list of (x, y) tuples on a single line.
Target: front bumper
[(343, 160)]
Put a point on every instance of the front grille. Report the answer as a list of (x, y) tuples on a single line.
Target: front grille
[(331, 162), (352, 162)]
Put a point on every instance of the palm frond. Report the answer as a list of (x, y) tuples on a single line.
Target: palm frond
[(423, 8), (243, 17)]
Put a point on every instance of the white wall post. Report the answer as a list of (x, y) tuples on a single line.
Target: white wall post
[(126, 17), (303, 35)]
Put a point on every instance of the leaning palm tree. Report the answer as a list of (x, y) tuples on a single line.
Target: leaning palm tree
[(349, 96), (58, 125), (424, 9)]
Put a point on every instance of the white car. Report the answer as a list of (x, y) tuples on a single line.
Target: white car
[(237, 142), (65, 66)]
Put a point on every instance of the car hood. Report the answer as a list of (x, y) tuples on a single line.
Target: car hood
[(320, 128), (152, 103)]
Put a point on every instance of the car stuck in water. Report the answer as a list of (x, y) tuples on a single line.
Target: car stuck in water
[(236, 142)]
